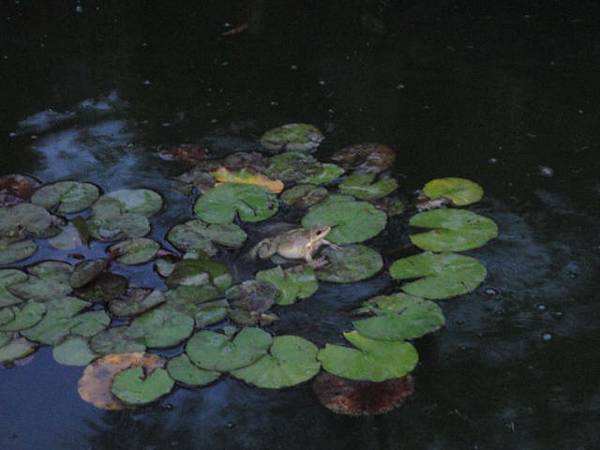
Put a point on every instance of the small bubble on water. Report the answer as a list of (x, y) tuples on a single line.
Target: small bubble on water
[(541, 307), (546, 337), (12, 134), (491, 291), (231, 425), (493, 160), (79, 9), (322, 83), (147, 82), (557, 314), (400, 86), (546, 171), (573, 275), (294, 67)]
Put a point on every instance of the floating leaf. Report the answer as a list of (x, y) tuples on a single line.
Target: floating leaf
[(293, 284), (211, 313), (399, 317), (391, 205), (25, 317), (47, 280), (439, 276), (349, 264), (85, 272), (117, 340), (291, 360), (8, 277), (364, 187), (104, 288), (350, 221), (455, 230), (197, 178), (251, 203), (119, 226), (73, 351), (459, 190), (11, 252), (200, 271), (6, 337), (183, 371), (245, 176), (367, 157), (135, 302), (68, 239), (293, 167), (95, 384), (135, 251), (128, 201), (26, 220), (66, 196), (163, 327), (326, 174), (196, 303), (292, 136), (253, 296), (215, 351), (372, 360), (304, 195), (135, 387), (196, 235), (16, 349), (361, 398)]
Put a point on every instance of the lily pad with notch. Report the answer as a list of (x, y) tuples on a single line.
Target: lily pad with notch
[(66, 197), (295, 283), (47, 280), (195, 235), (118, 340), (144, 202), (11, 251), (134, 251), (460, 191), (74, 351), (364, 186), (8, 277), (119, 226), (185, 372), (17, 348), (292, 137), (24, 316), (200, 271), (136, 387), (162, 327)]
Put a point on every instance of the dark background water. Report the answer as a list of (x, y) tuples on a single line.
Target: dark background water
[(486, 90)]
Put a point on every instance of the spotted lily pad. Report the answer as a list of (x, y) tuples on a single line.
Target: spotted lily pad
[(438, 276), (11, 252), (199, 271), (185, 372), (364, 186), (26, 220), (304, 195), (398, 317), (293, 136), (163, 327), (8, 277), (222, 203), (48, 280), (216, 351), (454, 230), (128, 201), (196, 235), (459, 190), (350, 221), (371, 360), (66, 196), (135, 387), (74, 351), (24, 317), (135, 251), (107, 228), (136, 302), (17, 348), (349, 264), (293, 284), (291, 360)]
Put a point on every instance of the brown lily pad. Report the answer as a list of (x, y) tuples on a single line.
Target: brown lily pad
[(19, 186), (365, 157), (191, 153)]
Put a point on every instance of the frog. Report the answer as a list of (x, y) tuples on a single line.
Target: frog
[(299, 243)]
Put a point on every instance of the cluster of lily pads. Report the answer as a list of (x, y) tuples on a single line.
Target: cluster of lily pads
[(92, 317)]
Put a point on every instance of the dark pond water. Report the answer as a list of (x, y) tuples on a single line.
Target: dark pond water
[(490, 92)]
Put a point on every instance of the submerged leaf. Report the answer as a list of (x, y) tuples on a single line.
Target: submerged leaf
[(459, 190)]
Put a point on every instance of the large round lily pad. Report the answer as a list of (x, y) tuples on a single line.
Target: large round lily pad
[(185, 372), (459, 190), (74, 351), (66, 196), (291, 360), (364, 186), (293, 284), (371, 360), (118, 226), (48, 280), (216, 351), (135, 302), (163, 327), (17, 348), (326, 174), (454, 230), (292, 136), (350, 221), (26, 220), (8, 277), (11, 252), (199, 271), (135, 251), (128, 201), (438, 276), (398, 317), (304, 195), (197, 235), (349, 264), (24, 317), (222, 203), (118, 340), (135, 387)]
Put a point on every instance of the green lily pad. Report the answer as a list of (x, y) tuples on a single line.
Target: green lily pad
[(164, 267), (104, 288), (74, 351), (87, 271), (215, 351), (163, 327), (200, 271), (25, 317), (392, 205), (350, 221), (371, 360), (304, 195), (16, 349), (293, 137), (5, 338), (252, 296), (119, 226), (183, 371), (66, 196), (8, 277), (291, 361), (117, 340), (349, 264), (399, 317), (26, 220), (222, 203), (459, 190), (293, 284), (198, 303), (11, 252), (68, 239), (47, 280), (7, 315), (134, 387), (440, 275), (364, 187), (135, 251), (128, 201), (326, 174), (136, 302), (454, 230), (211, 313), (196, 235)]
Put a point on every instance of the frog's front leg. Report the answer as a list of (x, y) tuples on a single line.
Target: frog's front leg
[(331, 244)]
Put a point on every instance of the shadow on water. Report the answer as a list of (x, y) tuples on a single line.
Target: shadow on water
[(463, 88)]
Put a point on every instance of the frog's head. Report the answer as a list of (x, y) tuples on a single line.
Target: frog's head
[(319, 232)]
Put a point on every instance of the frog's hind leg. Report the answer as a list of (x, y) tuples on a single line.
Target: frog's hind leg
[(262, 250)]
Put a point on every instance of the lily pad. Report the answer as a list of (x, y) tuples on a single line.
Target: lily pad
[(135, 387), (216, 351), (454, 230), (350, 221), (247, 176), (128, 201), (292, 167), (366, 157), (11, 252), (119, 226), (211, 313), (291, 361), (87, 271), (371, 360), (68, 239), (197, 235), (293, 284), (200, 271), (183, 371), (459, 190), (25, 317), (26, 220), (364, 186), (16, 349), (326, 174), (163, 327), (398, 317), (117, 340), (349, 264), (74, 351), (104, 288), (135, 251), (5, 337), (48, 280), (222, 203), (292, 136), (253, 296), (136, 302), (304, 195), (8, 277), (66, 196), (438, 276)]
